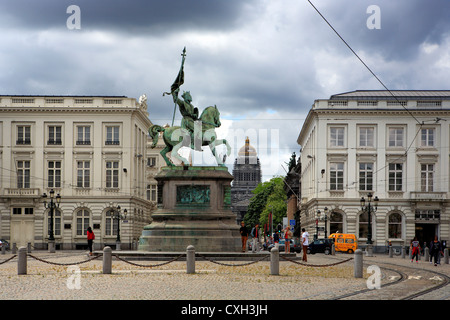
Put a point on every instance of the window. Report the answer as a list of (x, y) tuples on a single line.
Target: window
[(151, 161), (336, 137), (27, 211), (395, 226), (427, 137), (366, 176), (54, 135), (336, 176), (24, 135), (111, 224), (56, 222), (83, 174), (366, 137), (83, 135), (364, 224), (152, 193), (426, 177), (112, 135), (83, 220), (54, 174), (336, 223), (112, 174), (395, 137), (395, 176), (23, 174)]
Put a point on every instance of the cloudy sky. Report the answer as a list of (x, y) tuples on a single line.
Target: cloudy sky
[(262, 62)]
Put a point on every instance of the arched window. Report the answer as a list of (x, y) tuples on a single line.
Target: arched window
[(83, 221), (336, 222), (110, 223), (363, 224), (56, 222), (395, 226)]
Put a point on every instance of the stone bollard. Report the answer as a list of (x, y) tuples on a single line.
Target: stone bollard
[(29, 247), (107, 260), (369, 250), (358, 266), (333, 249), (403, 252), (446, 256), (190, 259), (275, 261), (391, 252), (4, 249), (51, 246), (426, 254), (22, 261), (14, 248)]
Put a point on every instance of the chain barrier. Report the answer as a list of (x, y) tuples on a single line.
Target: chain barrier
[(63, 264), (8, 259), (149, 266), (232, 265), (316, 265)]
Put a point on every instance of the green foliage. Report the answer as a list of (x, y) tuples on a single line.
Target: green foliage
[(269, 195)]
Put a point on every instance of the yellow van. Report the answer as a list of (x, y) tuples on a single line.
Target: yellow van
[(345, 242)]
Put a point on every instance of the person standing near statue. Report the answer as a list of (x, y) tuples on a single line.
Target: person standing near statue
[(255, 240), (244, 236)]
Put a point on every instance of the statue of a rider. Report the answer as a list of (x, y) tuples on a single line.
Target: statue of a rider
[(190, 119)]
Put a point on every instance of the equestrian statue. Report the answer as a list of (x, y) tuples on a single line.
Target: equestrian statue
[(194, 132)]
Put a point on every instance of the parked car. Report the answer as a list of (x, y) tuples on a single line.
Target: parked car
[(5, 243), (320, 246), (295, 247)]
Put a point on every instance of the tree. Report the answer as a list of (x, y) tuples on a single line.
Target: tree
[(269, 196)]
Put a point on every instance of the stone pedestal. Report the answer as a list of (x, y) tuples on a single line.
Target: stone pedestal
[(193, 209)]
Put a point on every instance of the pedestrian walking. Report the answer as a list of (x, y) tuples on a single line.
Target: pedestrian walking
[(244, 236), (305, 243), (90, 239), (436, 250), (415, 249), (287, 240)]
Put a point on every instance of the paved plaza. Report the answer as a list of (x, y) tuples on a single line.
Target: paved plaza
[(212, 281)]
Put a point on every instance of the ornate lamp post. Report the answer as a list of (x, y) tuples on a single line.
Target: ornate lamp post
[(316, 236), (369, 209), (325, 218), (117, 215), (52, 206)]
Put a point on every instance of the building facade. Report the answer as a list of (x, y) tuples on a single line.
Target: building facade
[(247, 176), (393, 145), (91, 151)]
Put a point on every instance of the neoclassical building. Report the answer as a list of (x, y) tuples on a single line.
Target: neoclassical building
[(393, 145), (247, 175), (91, 150)]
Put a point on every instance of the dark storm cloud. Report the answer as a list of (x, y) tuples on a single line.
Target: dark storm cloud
[(127, 16), (405, 24)]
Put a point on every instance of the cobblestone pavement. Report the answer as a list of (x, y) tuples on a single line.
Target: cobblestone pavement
[(210, 282)]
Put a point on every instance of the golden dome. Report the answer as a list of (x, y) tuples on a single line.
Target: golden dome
[(247, 150)]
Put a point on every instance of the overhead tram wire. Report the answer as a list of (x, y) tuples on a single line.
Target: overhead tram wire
[(378, 79)]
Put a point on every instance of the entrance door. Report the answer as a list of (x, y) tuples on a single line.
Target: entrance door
[(22, 232), (425, 232)]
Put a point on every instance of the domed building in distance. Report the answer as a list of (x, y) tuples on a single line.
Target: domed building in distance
[(247, 175)]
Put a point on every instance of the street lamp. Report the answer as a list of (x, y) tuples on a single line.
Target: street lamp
[(52, 206), (316, 236), (369, 209), (325, 218), (117, 215)]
